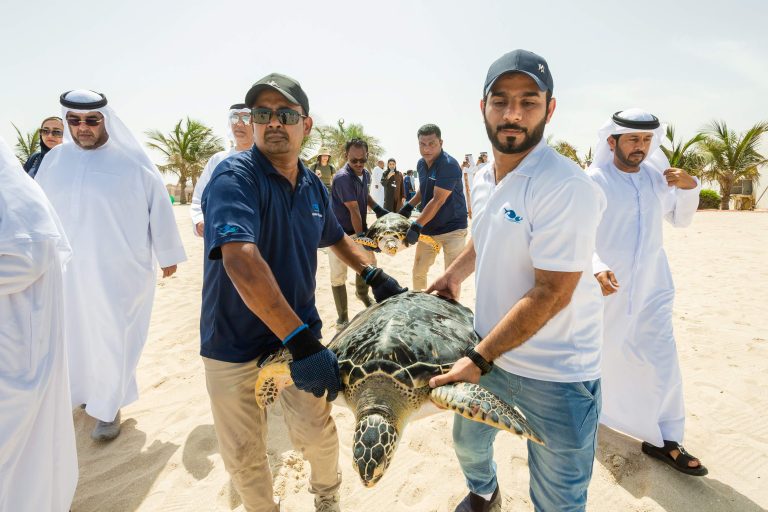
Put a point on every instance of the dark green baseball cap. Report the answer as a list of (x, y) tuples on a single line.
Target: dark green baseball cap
[(285, 85)]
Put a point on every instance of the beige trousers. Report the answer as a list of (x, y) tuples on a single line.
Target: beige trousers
[(241, 428), (452, 244), (339, 269)]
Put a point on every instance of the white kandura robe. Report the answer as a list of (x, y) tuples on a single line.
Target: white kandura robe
[(377, 189), (196, 209), (641, 382), (118, 218), (38, 458)]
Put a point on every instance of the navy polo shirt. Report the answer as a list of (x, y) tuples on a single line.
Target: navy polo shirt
[(347, 186), (445, 173), (248, 200)]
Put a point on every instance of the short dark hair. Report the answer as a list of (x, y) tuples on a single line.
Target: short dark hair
[(359, 143), (409, 171), (430, 129)]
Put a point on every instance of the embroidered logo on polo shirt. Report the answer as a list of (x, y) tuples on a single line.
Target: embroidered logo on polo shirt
[(511, 216), (316, 210), (226, 230)]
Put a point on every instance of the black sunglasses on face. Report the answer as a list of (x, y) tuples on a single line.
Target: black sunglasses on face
[(54, 132), (354, 161), (89, 121), (286, 116)]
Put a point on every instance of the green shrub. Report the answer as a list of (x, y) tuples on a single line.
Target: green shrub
[(709, 199)]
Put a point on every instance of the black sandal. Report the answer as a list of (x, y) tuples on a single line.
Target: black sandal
[(680, 463)]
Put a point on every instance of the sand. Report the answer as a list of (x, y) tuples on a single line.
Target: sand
[(166, 458)]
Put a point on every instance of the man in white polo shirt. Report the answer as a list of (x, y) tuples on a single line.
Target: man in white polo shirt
[(538, 308)]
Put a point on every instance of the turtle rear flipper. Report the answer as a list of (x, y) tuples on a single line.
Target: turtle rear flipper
[(367, 243), (430, 241), (478, 404)]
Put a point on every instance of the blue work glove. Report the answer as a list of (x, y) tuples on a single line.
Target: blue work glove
[(406, 210), (412, 236), (314, 369), (379, 211), (384, 286)]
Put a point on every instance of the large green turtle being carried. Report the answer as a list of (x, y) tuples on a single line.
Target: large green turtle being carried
[(387, 355), (387, 235)]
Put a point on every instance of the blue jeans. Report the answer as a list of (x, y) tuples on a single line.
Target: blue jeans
[(563, 414)]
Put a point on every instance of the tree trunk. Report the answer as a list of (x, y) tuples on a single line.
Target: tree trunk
[(182, 189), (725, 201)]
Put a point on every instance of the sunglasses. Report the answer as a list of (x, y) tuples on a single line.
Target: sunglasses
[(240, 118), (89, 121), (354, 161), (286, 116), (55, 132)]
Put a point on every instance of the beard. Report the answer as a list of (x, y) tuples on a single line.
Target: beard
[(276, 142), (630, 160), (517, 144)]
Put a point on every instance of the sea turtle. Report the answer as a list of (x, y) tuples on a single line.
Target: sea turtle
[(387, 354), (387, 234)]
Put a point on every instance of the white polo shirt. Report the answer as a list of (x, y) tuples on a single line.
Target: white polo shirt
[(543, 215)]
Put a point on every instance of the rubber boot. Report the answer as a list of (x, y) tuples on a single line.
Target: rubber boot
[(361, 291), (340, 298)]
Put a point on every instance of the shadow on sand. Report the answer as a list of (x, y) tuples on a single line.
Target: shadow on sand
[(643, 476), (202, 443), (113, 465)]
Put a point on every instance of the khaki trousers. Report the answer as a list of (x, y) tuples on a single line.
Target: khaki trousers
[(241, 429), (452, 244), (339, 269)]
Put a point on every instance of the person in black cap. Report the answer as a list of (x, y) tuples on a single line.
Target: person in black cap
[(240, 135), (266, 215), (538, 308)]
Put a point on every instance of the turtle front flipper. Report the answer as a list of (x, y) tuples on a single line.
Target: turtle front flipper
[(478, 404), (430, 241), (274, 376), (366, 243)]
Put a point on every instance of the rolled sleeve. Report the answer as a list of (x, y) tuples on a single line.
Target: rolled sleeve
[(565, 226), (231, 208)]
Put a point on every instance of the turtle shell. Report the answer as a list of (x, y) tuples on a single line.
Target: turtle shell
[(410, 337), (390, 224)]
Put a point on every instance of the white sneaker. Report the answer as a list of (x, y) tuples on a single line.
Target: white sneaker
[(327, 503)]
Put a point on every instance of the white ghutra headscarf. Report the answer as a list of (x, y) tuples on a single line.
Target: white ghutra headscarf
[(632, 120)]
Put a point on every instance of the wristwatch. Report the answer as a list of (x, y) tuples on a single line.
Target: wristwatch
[(482, 363)]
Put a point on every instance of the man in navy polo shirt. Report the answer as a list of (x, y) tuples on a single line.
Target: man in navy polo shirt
[(266, 215), (443, 207), (350, 200)]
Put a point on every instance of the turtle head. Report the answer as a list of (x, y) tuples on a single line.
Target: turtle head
[(375, 441)]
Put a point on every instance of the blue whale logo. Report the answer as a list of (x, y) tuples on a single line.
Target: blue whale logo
[(512, 216)]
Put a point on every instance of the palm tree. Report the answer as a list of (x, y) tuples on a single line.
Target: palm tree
[(685, 155), (186, 150), (567, 149), (730, 157), (309, 145), (335, 138), (27, 144)]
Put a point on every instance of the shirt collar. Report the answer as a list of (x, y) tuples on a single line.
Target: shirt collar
[(527, 167), (266, 166)]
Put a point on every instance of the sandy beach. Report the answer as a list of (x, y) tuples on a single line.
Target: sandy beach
[(166, 458)]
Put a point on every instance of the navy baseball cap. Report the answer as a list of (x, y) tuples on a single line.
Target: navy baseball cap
[(520, 61), (285, 85)]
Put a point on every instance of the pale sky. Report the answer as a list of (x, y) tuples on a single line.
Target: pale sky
[(391, 66)]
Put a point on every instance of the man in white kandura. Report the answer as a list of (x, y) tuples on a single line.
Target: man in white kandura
[(642, 385), (117, 215), (377, 189), (240, 135), (38, 461)]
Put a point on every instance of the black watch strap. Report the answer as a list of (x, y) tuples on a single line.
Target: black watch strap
[(484, 365)]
